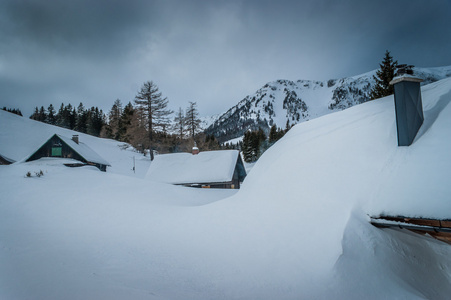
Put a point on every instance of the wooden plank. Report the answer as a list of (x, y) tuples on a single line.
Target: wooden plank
[(445, 237), (445, 223), (423, 222)]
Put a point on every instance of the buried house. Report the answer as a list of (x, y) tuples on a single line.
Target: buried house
[(210, 169), (59, 146)]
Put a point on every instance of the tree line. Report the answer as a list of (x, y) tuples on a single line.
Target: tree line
[(255, 142), (81, 119), (13, 110), (144, 123)]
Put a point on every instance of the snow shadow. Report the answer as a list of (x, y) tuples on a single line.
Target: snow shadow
[(431, 115)]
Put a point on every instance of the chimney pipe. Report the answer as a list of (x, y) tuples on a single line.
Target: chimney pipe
[(408, 105), (195, 150), (75, 138)]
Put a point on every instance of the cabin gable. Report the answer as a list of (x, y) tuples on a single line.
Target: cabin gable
[(57, 147)]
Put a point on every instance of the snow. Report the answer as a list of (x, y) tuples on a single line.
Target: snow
[(298, 228), (205, 167)]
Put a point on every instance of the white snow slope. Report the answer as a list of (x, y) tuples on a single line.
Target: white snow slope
[(298, 228)]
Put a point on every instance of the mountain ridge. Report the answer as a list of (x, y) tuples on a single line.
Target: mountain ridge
[(285, 102)]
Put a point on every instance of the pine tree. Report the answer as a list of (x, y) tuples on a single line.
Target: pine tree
[(192, 120), (51, 118), (94, 121), (126, 120), (60, 116), (63, 116), (383, 77), (154, 108), (35, 115), (82, 118), (273, 134), (42, 114), (179, 123), (115, 119), (246, 147), (72, 117)]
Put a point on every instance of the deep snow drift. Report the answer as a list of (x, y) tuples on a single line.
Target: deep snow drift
[(298, 228)]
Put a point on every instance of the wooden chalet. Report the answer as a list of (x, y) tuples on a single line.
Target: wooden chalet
[(210, 169), (59, 146)]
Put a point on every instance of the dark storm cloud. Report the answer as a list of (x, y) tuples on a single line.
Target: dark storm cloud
[(91, 28), (212, 52)]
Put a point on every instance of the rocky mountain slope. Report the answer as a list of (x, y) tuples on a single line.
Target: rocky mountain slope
[(286, 102)]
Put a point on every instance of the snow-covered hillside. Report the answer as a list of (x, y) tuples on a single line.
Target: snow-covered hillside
[(298, 228), (20, 137), (284, 101)]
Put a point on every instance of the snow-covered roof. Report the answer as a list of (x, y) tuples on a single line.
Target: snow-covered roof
[(7, 158), (82, 149), (184, 168)]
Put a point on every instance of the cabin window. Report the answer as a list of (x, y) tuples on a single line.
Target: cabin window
[(57, 151)]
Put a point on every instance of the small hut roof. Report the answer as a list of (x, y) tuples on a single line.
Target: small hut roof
[(7, 158), (183, 168)]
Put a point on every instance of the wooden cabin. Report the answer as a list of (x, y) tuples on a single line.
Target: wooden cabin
[(210, 169), (59, 146)]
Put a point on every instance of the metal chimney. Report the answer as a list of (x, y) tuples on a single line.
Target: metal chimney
[(195, 150), (408, 104), (75, 138)]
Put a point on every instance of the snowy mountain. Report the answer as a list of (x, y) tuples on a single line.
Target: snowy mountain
[(285, 102)]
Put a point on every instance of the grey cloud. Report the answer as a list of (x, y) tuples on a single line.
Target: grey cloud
[(212, 52)]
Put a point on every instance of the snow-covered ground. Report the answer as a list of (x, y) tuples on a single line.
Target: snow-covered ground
[(298, 228)]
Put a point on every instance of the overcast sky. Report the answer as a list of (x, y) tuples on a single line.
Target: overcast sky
[(211, 52)]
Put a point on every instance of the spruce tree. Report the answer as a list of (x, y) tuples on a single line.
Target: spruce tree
[(115, 119), (51, 118), (383, 78), (246, 147), (72, 117), (35, 115), (273, 137), (126, 121), (42, 114), (82, 118)]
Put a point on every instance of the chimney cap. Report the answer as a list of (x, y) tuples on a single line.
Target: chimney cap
[(405, 77), (195, 150), (75, 138)]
